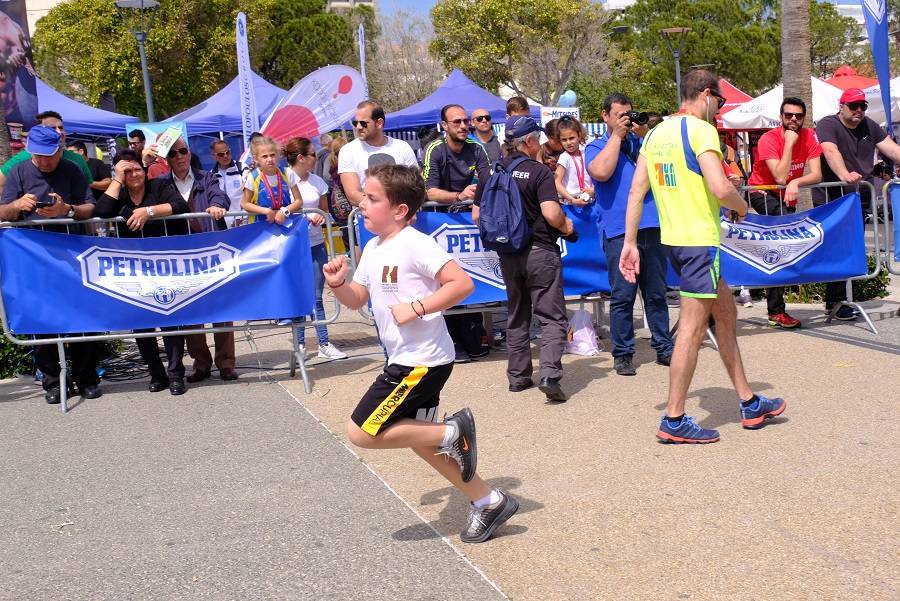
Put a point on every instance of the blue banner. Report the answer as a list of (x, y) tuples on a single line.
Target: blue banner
[(875, 13), (894, 199), (61, 283), (584, 266), (821, 245)]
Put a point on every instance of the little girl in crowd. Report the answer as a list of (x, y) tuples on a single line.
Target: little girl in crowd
[(572, 181), (275, 194)]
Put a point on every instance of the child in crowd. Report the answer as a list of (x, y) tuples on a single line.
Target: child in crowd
[(572, 183), (301, 157), (410, 280)]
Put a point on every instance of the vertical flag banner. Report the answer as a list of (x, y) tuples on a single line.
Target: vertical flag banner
[(18, 86), (362, 57), (875, 12), (320, 102), (249, 116)]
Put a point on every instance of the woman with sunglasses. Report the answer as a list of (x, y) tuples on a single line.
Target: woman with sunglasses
[(301, 157)]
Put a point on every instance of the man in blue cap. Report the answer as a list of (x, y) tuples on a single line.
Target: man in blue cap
[(49, 187), (533, 276)]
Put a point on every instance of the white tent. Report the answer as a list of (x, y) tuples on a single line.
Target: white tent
[(762, 111), (876, 107)]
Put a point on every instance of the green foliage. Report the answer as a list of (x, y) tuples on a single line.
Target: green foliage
[(863, 290), (301, 38), (14, 358), (833, 40)]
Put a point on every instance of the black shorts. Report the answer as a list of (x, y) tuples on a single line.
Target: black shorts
[(401, 392)]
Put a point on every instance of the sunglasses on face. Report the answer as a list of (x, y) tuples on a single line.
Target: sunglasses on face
[(855, 106), (720, 98), (182, 151), (458, 122), (133, 144), (360, 124), (481, 118), (797, 116), (223, 154)]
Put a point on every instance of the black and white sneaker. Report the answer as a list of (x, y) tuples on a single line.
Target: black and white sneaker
[(482, 523), (463, 449)]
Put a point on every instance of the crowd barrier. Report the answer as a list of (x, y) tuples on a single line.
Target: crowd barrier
[(105, 286), (891, 195), (760, 251)]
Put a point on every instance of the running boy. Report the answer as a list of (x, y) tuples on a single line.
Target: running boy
[(410, 280)]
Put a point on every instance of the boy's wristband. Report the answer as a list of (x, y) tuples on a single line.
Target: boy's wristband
[(338, 286)]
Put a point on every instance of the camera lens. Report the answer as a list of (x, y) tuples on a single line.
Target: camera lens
[(638, 118)]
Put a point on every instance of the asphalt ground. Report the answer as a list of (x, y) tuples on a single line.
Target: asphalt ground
[(236, 491)]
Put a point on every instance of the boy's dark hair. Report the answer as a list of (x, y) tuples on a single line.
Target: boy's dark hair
[(137, 133), (127, 154), (516, 104), (615, 98), (793, 100), (79, 145), (41, 116), (694, 82), (447, 107), (402, 185)]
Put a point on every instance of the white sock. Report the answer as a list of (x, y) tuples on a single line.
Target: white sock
[(490, 499), (450, 434)]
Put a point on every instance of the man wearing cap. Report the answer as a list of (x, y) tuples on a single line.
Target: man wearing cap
[(202, 193), (533, 276), (484, 134), (53, 120), (849, 140), (48, 187)]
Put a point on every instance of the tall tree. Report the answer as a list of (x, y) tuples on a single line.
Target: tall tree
[(533, 47), (796, 64), (832, 39)]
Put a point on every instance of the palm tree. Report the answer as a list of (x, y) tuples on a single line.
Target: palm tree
[(5, 151), (796, 61)]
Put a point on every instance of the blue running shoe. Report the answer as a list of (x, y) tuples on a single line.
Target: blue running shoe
[(754, 416), (687, 431)]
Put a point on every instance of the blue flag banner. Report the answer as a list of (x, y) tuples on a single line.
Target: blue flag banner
[(584, 266), (61, 283), (822, 245), (875, 13)]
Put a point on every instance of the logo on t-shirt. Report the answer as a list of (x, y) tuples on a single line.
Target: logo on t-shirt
[(389, 278), (665, 174)]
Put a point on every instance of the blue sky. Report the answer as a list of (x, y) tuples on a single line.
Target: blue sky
[(389, 7)]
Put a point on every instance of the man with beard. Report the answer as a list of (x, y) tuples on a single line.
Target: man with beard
[(681, 160), (781, 158)]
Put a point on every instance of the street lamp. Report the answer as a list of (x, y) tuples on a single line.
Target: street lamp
[(138, 16), (675, 37)]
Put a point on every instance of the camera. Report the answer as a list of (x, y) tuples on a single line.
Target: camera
[(45, 201), (638, 118)]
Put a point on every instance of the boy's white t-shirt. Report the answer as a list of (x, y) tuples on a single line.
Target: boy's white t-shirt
[(357, 156), (400, 270), (573, 166)]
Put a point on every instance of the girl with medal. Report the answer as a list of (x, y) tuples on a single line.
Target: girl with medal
[(572, 183), (269, 191)]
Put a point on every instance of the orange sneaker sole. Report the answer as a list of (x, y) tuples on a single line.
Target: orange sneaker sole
[(666, 437), (757, 422)]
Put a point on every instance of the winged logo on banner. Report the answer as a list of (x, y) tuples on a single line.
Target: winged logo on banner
[(771, 255), (484, 264), (876, 9), (164, 292)]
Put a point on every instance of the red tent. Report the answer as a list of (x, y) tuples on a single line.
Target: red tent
[(847, 77), (733, 98)]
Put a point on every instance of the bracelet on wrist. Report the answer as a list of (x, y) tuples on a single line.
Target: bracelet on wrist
[(423, 309), (413, 307), (338, 286)]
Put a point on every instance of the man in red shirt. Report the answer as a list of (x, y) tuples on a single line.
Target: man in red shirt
[(781, 159)]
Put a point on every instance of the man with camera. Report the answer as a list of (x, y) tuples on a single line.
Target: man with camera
[(48, 187), (611, 162), (781, 159)]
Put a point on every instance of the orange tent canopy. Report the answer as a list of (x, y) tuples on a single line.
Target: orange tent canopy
[(846, 77)]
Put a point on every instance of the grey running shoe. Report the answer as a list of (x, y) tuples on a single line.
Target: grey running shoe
[(482, 522), (624, 366), (463, 450)]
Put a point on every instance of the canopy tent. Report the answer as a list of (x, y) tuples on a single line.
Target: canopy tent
[(846, 77), (456, 89), (222, 110), (876, 106), (762, 112), (734, 97), (80, 118)]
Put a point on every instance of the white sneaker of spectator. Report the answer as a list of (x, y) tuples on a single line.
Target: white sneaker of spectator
[(329, 351)]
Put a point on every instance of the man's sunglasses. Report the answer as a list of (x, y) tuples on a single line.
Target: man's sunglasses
[(721, 98), (458, 122), (182, 151), (223, 154), (358, 123), (855, 106), (481, 118), (797, 116)]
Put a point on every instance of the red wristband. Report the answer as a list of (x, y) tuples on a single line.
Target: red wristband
[(338, 286)]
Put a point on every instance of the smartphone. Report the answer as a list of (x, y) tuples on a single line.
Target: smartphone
[(45, 201)]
